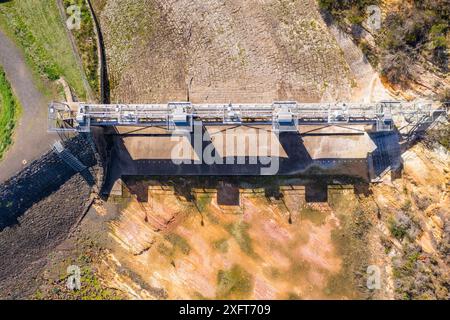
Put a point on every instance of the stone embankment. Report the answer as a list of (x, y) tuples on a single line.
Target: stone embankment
[(38, 208)]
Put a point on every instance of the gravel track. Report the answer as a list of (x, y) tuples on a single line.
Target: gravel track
[(31, 138)]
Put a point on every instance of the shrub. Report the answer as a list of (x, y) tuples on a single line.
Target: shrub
[(396, 67), (407, 31), (440, 136), (234, 283), (352, 10), (397, 230), (369, 53)]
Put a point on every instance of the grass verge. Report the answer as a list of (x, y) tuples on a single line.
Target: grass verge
[(37, 28), (86, 42), (9, 112)]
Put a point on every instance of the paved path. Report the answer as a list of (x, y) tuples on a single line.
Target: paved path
[(31, 139)]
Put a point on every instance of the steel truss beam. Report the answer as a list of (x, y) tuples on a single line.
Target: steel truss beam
[(282, 115)]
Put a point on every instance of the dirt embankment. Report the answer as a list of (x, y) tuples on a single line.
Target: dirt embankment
[(246, 51)]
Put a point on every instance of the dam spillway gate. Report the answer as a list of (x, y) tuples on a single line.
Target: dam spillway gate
[(358, 139)]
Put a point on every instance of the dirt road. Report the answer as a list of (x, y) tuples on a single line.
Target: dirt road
[(31, 139)]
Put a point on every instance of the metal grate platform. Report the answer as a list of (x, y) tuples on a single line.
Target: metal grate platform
[(282, 115)]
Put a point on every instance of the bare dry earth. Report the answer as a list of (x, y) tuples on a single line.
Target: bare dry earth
[(171, 239), (169, 246), (246, 51), (417, 264), (167, 240)]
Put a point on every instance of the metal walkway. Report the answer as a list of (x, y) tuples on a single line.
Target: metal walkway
[(68, 157), (180, 116)]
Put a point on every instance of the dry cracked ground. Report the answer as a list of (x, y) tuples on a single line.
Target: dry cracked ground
[(175, 238)]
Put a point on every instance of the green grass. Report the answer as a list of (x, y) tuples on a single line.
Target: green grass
[(235, 283), (202, 201), (239, 231), (91, 288), (9, 112), (315, 216), (37, 27), (86, 43), (179, 242), (221, 245)]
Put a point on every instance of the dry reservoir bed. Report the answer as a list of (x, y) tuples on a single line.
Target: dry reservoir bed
[(222, 51)]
